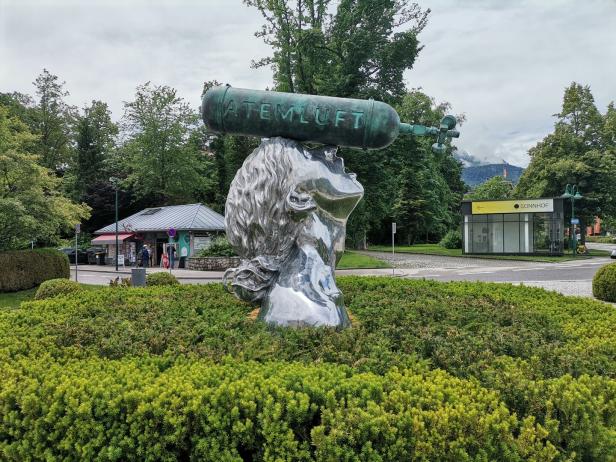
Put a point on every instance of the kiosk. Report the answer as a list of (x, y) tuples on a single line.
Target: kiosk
[(513, 227)]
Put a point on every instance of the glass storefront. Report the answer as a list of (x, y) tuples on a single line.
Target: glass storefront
[(513, 233)]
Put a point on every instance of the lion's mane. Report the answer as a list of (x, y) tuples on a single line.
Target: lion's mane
[(259, 224)]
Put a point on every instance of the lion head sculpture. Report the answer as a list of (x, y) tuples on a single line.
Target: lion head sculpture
[(285, 216)]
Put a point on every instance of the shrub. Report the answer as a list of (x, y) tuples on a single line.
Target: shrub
[(161, 279), (452, 240), (604, 283), (547, 359), (55, 287), (602, 239), (120, 282), (25, 269), (141, 409), (220, 247)]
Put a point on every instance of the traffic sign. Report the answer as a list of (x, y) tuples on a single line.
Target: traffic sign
[(393, 228), (575, 221), (171, 232)]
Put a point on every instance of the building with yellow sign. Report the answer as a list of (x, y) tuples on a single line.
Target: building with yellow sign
[(513, 227)]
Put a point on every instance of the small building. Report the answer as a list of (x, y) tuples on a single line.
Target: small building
[(195, 226), (513, 227)]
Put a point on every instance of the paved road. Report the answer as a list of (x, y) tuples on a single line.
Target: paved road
[(569, 278), (598, 246)]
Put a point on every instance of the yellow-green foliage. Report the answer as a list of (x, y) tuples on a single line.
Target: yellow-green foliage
[(143, 410), (604, 283), (161, 279), (24, 269), (145, 373), (55, 287)]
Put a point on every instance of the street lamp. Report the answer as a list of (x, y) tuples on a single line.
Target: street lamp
[(572, 192), (115, 183)]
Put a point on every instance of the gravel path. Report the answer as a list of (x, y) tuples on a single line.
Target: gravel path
[(418, 261)]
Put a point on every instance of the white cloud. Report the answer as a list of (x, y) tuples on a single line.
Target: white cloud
[(105, 49), (506, 64), (503, 64)]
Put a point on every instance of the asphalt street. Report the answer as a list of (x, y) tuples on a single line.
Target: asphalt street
[(569, 278)]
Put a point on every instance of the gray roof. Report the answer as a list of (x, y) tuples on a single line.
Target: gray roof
[(195, 217)]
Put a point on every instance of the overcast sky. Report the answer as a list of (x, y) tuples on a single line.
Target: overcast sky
[(502, 63)]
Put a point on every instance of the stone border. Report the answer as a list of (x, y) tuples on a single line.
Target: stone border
[(212, 263)]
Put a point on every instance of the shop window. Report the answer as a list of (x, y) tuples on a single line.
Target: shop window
[(480, 238)]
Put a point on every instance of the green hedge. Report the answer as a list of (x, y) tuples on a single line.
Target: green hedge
[(55, 287), (219, 247), (548, 361), (25, 269), (161, 279), (604, 283), (141, 410), (452, 240)]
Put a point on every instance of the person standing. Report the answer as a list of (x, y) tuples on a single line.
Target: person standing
[(171, 254), (145, 256)]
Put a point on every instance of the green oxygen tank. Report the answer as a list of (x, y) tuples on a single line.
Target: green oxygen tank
[(354, 123)]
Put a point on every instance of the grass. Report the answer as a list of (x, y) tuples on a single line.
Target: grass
[(601, 239), (435, 249), (14, 299), (10, 300), (352, 260)]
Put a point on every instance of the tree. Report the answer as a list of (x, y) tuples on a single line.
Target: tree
[(362, 50), (52, 121), (159, 156), (31, 206), (582, 151), (495, 188), (95, 138)]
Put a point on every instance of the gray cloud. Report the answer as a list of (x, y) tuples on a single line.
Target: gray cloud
[(503, 64), (506, 64)]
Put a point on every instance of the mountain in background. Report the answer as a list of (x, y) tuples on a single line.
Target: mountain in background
[(476, 171), (474, 176)]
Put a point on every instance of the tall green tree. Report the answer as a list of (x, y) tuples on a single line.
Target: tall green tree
[(159, 156), (361, 49), (95, 140), (428, 187), (31, 205), (582, 151), (52, 120)]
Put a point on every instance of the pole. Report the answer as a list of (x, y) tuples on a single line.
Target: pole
[(574, 237), (393, 233), (76, 257), (117, 248)]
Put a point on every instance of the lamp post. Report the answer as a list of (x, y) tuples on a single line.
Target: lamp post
[(572, 192), (115, 182)]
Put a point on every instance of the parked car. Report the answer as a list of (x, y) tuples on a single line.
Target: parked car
[(613, 254), (93, 251), (82, 255)]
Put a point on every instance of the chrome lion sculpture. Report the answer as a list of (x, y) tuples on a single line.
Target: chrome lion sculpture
[(286, 216)]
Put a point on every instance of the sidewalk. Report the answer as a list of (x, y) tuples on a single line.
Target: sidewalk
[(126, 271), (109, 271)]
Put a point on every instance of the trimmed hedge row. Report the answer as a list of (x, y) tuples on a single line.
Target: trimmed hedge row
[(551, 360), (459, 327), (25, 269), (140, 410)]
